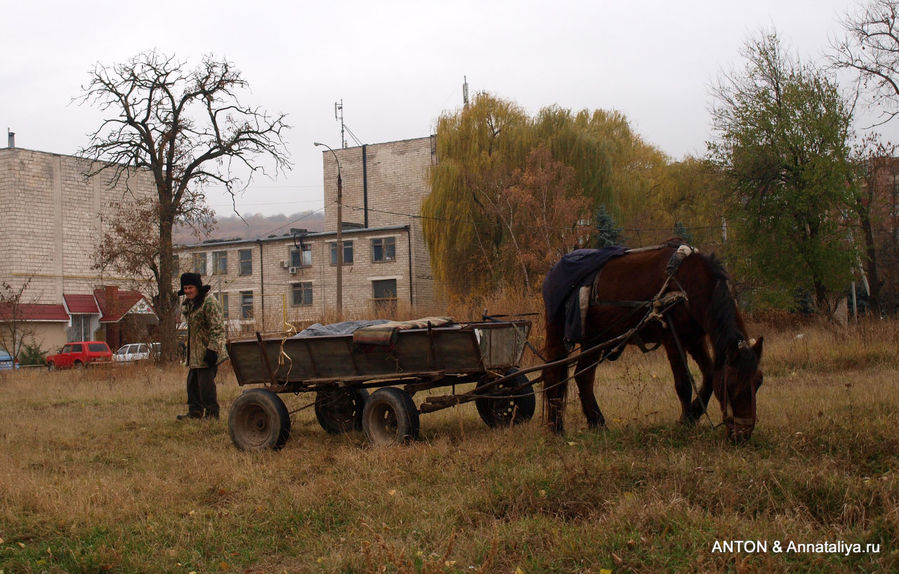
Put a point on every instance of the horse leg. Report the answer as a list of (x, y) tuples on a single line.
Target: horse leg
[(700, 353), (681, 380), (585, 378), (555, 380), (555, 389)]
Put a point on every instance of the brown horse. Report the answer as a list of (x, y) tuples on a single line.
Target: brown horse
[(705, 316)]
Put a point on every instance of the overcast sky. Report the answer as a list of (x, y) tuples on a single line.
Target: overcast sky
[(397, 65)]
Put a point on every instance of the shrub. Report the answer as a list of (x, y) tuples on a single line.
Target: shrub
[(32, 355)]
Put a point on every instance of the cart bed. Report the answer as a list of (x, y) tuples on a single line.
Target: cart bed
[(456, 348)]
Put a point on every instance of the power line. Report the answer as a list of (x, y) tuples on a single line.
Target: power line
[(471, 222), (304, 216)]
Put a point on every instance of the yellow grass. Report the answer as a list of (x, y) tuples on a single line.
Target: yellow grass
[(96, 475)]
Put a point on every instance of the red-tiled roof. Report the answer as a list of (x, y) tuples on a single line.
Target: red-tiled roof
[(81, 304), (33, 312), (126, 300)]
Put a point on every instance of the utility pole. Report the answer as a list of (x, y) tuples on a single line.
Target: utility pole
[(339, 234)]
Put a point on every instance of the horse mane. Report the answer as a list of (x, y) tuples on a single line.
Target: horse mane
[(724, 323)]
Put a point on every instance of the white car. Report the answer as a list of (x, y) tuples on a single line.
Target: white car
[(135, 352)]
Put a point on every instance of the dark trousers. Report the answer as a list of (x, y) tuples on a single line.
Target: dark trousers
[(201, 393)]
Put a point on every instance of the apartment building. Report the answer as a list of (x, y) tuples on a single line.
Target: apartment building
[(292, 278), (266, 284), (52, 218)]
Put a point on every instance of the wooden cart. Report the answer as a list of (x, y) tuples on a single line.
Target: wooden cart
[(340, 372)]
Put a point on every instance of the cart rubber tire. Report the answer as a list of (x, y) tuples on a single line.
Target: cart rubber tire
[(339, 411), (259, 420), (502, 411), (390, 417)]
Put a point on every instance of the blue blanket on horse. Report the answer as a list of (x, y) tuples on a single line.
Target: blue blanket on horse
[(564, 280)]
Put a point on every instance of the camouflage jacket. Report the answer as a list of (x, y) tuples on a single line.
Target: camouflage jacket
[(205, 329)]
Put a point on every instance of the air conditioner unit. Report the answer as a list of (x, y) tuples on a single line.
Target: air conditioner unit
[(283, 264), (292, 270)]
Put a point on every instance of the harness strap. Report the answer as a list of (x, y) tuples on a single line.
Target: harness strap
[(631, 304)]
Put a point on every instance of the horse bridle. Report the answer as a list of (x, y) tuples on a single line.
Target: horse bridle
[(742, 344)]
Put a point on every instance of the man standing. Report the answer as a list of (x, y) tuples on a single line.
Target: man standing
[(205, 346)]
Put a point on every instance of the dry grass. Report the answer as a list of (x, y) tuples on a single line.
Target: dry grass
[(97, 476)]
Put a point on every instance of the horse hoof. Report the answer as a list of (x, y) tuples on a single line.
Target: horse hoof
[(556, 428)]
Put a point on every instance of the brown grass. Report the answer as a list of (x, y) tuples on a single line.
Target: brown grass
[(97, 476)]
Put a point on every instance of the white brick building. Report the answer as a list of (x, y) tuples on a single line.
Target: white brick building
[(384, 185), (50, 224), (265, 282)]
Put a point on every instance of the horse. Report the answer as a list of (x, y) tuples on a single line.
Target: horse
[(669, 295)]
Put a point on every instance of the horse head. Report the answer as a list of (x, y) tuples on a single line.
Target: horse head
[(736, 384)]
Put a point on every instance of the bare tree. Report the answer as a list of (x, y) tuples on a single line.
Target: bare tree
[(14, 327), (130, 244), (870, 47), (188, 129)]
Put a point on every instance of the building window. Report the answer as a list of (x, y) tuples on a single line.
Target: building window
[(301, 294), (384, 295), (219, 262), (176, 264), (347, 253), (383, 249), (298, 260), (199, 263), (245, 261), (223, 299), (246, 304)]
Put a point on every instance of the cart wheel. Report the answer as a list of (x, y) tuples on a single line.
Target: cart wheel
[(505, 409), (390, 417), (259, 420), (340, 410)]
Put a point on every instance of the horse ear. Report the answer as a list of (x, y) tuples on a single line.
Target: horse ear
[(757, 348)]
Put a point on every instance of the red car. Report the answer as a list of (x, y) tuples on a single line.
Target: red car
[(80, 354)]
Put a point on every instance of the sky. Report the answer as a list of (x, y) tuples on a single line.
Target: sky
[(398, 65)]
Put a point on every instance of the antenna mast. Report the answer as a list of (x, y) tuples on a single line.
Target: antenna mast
[(338, 115), (465, 91)]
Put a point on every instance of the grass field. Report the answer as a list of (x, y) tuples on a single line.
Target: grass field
[(96, 475)]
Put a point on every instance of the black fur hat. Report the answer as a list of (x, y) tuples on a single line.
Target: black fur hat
[(190, 279)]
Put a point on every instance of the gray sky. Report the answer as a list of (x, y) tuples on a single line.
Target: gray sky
[(397, 65)]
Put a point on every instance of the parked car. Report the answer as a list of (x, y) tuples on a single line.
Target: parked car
[(7, 362), (136, 352), (80, 354)]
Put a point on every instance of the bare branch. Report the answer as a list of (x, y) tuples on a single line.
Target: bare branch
[(186, 128)]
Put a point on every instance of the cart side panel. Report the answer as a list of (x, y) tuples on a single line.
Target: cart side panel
[(251, 368), (502, 346), (442, 350)]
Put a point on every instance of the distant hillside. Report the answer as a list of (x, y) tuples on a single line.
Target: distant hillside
[(252, 227)]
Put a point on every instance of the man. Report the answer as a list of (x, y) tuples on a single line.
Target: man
[(205, 346)]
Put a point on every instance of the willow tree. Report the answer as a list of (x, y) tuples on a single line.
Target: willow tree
[(187, 128), (482, 152)]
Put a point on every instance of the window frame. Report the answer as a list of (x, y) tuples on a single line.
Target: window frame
[(247, 307), (222, 298), (241, 262), (194, 262), (384, 244), (219, 259), (304, 288), (301, 253), (332, 250)]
